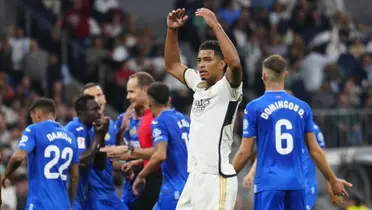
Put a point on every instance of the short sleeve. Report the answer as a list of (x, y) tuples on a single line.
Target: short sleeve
[(235, 93), (75, 157), (159, 132), (249, 122), (118, 121), (319, 136), (309, 123), (28, 140), (192, 78)]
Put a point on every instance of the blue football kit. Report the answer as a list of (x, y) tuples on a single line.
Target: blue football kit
[(172, 127), (101, 189), (84, 136), (130, 138), (51, 149), (278, 122), (311, 182)]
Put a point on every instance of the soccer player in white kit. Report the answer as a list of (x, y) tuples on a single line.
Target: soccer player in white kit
[(217, 86)]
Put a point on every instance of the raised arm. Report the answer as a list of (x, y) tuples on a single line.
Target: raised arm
[(173, 65), (234, 72)]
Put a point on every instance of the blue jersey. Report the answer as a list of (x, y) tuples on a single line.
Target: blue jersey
[(279, 122), (101, 183), (130, 138), (309, 167), (84, 136), (131, 133), (172, 127), (51, 150)]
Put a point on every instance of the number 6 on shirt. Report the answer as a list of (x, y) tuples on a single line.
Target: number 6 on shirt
[(280, 136)]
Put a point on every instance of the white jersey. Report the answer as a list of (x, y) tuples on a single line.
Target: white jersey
[(213, 115)]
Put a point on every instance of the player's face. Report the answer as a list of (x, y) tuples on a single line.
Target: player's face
[(92, 111), (210, 66), (136, 95), (97, 92)]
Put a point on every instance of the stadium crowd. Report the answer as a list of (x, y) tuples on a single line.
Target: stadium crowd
[(329, 58)]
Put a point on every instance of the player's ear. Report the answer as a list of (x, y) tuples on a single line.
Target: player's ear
[(222, 65), (263, 77), (286, 75)]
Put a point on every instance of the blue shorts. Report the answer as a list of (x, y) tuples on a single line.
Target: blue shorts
[(128, 196), (111, 202), (280, 200), (311, 196), (166, 202)]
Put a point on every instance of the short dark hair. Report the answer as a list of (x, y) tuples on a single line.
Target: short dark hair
[(159, 93), (275, 63), (45, 104), (81, 103), (144, 79), (88, 85), (212, 45)]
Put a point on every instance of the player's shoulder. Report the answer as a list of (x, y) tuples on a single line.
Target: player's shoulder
[(255, 103), (74, 126), (299, 102)]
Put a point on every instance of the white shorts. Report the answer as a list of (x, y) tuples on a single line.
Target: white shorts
[(208, 192)]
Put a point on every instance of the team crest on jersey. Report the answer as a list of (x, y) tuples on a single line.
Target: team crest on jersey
[(156, 133), (202, 84), (245, 124), (199, 105), (133, 131), (107, 137)]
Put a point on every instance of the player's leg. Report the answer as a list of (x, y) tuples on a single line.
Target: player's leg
[(311, 196), (149, 195), (214, 192), (295, 200), (184, 202), (268, 200)]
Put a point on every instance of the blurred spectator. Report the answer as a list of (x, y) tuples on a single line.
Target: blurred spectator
[(35, 66)]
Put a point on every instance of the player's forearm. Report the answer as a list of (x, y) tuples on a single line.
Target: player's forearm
[(99, 161), (72, 188), (143, 153), (252, 172), (228, 49), (171, 54), (321, 163), (89, 155), (152, 165), (14, 163), (241, 158)]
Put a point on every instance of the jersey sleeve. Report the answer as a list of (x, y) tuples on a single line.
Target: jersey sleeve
[(159, 131), (28, 140), (309, 123), (235, 93), (75, 157), (249, 122), (319, 136), (192, 78), (118, 121)]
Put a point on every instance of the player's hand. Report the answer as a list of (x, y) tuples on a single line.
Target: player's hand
[(338, 187), (176, 18), (137, 184), (209, 17), (336, 200), (102, 125), (4, 180), (126, 118), (114, 152), (248, 180)]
